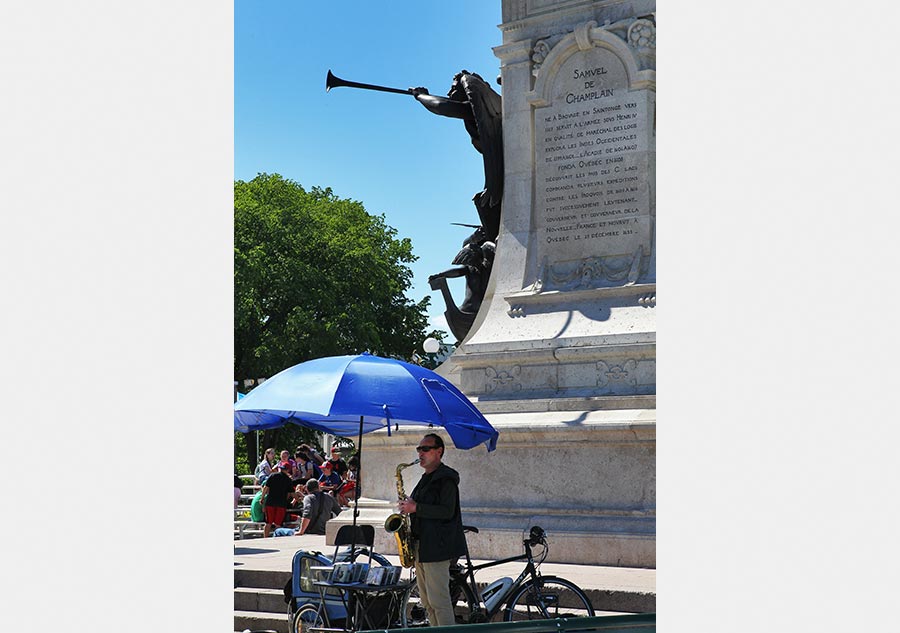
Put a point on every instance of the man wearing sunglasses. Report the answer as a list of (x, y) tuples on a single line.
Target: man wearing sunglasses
[(436, 527)]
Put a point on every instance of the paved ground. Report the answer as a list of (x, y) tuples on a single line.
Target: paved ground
[(275, 553)]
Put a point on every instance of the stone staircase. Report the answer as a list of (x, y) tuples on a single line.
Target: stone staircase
[(258, 594), (259, 600)]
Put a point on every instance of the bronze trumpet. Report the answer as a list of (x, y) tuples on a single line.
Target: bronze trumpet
[(332, 81)]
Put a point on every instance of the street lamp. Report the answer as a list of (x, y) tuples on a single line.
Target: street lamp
[(431, 345)]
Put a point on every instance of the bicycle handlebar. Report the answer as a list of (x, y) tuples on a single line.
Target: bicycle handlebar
[(536, 535)]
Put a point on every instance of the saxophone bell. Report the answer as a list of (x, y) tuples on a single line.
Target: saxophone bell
[(398, 523), (393, 522)]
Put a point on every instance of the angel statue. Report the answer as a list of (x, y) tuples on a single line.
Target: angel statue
[(473, 100), (473, 262)]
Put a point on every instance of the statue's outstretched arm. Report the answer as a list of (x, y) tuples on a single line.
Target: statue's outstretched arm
[(442, 105), (458, 271)]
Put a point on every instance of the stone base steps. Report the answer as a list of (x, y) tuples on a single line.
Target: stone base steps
[(256, 620), (261, 578), (259, 600)]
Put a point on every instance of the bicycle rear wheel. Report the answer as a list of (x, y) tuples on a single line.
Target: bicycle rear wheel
[(548, 597)]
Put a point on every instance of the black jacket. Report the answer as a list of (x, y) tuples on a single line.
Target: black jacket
[(436, 523)]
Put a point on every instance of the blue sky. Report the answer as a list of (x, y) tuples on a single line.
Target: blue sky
[(385, 150)]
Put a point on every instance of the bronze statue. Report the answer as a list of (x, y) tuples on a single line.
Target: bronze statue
[(473, 100), (474, 262)]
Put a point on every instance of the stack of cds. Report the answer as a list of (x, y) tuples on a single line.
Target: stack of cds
[(358, 572), (375, 575), (342, 572), (388, 575), (350, 573), (394, 577)]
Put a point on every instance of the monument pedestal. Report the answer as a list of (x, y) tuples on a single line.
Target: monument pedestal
[(561, 358), (585, 476)]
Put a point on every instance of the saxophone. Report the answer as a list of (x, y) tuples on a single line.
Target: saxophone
[(399, 523)]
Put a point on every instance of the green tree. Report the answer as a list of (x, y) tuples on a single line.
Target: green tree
[(315, 275)]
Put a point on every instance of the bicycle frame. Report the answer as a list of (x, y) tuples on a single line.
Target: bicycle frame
[(469, 571), (530, 596)]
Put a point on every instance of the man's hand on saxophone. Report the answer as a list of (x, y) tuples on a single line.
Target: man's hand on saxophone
[(407, 506)]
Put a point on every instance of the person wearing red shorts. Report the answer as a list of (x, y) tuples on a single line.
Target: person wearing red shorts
[(276, 497)]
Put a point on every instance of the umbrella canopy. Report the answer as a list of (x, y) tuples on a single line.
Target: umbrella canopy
[(346, 395)]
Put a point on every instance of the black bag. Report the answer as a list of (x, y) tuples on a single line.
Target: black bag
[(380, 614)]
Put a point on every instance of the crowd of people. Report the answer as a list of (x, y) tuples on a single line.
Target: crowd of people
[(307, 485)]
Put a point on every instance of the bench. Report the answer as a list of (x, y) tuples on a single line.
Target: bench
[(245, 529)]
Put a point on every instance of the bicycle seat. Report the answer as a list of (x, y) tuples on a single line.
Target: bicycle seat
[(470, 528)]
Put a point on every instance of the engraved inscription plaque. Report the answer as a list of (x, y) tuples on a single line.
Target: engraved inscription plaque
[(593, 147)]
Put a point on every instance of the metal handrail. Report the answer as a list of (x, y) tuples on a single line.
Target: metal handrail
[(633, 623)]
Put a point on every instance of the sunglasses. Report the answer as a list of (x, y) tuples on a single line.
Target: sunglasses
[(425, 449)]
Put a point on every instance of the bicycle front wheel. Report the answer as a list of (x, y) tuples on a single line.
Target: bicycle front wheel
[(305, 618), (548, 597)]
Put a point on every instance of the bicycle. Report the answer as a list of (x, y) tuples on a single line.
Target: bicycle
[(531, 596)]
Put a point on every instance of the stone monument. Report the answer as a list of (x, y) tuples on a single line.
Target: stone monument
[(561, 356)]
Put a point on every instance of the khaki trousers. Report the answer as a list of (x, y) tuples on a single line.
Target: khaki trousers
[(434, 590)]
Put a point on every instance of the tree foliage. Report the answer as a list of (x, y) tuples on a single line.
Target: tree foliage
[(316, 275)]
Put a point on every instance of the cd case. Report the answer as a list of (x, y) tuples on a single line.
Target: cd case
[(375, 576), (342, 572)]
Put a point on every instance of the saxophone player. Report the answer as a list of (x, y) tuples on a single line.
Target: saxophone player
[(436, 528)]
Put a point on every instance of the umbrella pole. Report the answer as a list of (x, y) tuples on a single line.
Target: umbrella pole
[(358, 481)]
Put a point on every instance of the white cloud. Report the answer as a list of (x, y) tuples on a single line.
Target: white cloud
[(439, 322)]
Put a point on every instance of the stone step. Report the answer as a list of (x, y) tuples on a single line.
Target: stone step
[(258, 599), (616, 600), (261, 578), (257, 620), (371, 512), (280, 620), (620, 601)]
